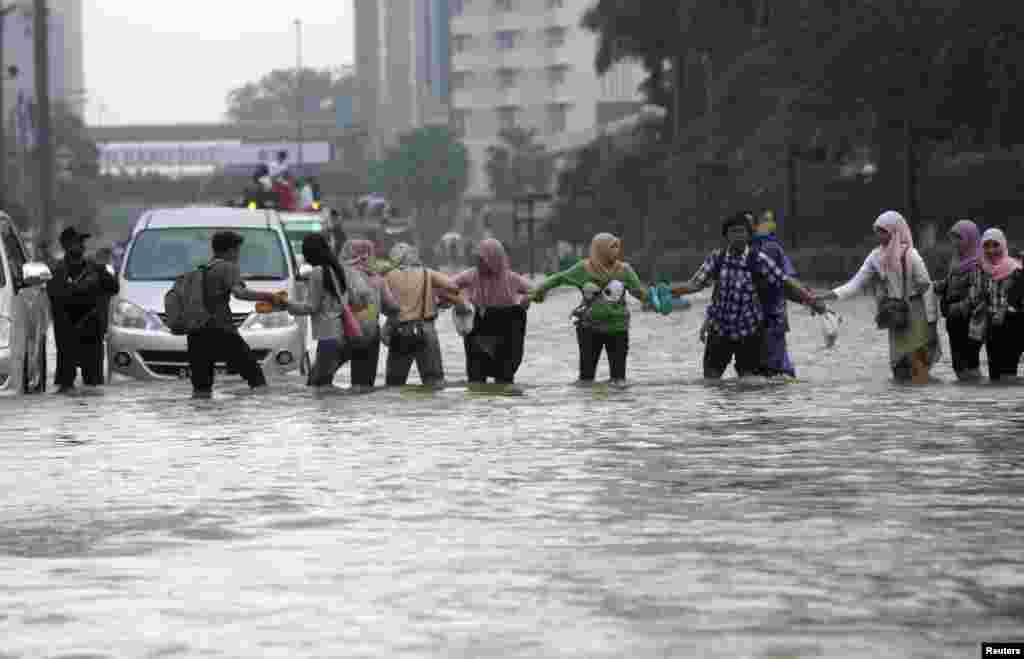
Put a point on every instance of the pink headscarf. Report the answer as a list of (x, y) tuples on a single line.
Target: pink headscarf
[(492, 283), (1005, 266), (970, 247), (357, 254), (900, 239)]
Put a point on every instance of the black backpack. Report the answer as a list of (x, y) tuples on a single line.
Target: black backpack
[(186, 303)]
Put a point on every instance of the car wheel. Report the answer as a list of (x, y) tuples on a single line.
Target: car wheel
[(34, 380)]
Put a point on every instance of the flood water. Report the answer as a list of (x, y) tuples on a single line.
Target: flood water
[(839, 516)]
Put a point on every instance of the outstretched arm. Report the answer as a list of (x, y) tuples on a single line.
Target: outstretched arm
[(700, 279)]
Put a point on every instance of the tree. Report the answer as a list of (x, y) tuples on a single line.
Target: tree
[(428, 171), (275, 95), (518, 165)]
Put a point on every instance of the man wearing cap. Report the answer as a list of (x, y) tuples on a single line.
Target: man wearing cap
[(80, 293)]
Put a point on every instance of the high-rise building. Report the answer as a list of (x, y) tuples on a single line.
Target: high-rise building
[(402, 67), (528, 63), (482, 66), (67, 72)]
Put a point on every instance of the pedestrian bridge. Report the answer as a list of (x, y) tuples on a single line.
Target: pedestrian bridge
[(246, 131)]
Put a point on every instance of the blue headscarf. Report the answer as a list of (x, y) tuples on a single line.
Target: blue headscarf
[(765, 240)]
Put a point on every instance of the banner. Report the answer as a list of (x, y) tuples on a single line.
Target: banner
[(206, 154)]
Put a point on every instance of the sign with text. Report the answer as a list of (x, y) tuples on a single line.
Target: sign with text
[(206, 154)]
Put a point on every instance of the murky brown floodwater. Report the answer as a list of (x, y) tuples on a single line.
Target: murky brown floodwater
[(841, 516)]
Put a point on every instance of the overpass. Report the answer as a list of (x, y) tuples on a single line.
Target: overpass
[(246, 131)]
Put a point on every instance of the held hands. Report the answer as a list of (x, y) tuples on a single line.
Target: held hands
[(537, 296)]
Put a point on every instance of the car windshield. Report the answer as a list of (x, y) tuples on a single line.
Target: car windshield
[(163, 254)]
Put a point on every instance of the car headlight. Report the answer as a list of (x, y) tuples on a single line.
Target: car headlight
[(132, 316), (272, 320), (5, 331)]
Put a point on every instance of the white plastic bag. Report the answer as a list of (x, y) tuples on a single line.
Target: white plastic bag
[(462, 317), (830, 322)]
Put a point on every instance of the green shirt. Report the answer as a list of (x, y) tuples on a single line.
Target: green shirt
[(608, 317)]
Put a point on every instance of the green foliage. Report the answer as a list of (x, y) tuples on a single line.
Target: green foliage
[(275, 95), (518, 165), (428, 170)]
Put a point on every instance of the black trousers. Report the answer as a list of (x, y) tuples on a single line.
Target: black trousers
[(592, 343), (966, 351), (720, 350), (495, 347), (212, 345), (365, 361), (1004, 347), (75, 351)]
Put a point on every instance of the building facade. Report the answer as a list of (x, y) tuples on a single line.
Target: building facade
[(402, 67), (528, 63)]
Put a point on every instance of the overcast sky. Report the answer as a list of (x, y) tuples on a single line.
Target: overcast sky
[(159, 61)]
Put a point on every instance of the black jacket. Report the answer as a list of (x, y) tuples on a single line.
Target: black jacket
[(80, 304)]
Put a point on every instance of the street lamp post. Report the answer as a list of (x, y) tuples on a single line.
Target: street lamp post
[(299, 101)]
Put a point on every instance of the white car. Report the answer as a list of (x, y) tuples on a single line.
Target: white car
[(24, 314), (169, 242)]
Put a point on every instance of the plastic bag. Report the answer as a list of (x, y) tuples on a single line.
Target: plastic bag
[(830, 322), (462, 317)]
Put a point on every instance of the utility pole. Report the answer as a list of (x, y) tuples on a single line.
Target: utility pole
[(43, 123), (300, 105)]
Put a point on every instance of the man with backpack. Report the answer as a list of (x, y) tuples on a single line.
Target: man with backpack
[(735, 323), (199, 306)]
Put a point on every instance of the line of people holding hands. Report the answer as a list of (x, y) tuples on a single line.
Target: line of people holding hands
[(746, 319)]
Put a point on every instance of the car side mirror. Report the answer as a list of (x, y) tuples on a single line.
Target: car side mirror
[(305, 272), (35, 274)]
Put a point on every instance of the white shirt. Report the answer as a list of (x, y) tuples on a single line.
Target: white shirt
[(890, 284)]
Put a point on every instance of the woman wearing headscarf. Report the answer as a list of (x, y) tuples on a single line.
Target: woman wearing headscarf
[(957, 294), (775, 359), (602, 319), (410, 334), (364, 352), (330, 288), (895, 270), (494, 349), (998, 317)]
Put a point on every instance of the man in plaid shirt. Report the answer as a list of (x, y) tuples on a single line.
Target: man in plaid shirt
[(735, 318)]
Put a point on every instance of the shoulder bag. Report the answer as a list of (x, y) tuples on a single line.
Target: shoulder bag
[(894, 312), (409, 336)]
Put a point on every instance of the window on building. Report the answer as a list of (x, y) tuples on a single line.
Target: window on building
[(460, 122), (462, 80), (505, 5), (507, 39), (462, 43), (557, 75), (508, 117), (557, 117), (508, 78), (555, 37), (556, 4)]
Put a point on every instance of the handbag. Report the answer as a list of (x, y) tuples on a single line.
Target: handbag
[(409, 337), (350, 328), (894, 312)]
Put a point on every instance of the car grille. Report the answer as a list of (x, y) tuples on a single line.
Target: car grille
[(173, 362), (236, 318)]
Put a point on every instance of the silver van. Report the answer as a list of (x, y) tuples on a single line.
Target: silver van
[(24, 314), (169, 242)]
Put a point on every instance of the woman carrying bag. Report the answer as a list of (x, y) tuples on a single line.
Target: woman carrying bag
[(410, 334), (998, 313), (907, 307), (364, 353), (330, 293)]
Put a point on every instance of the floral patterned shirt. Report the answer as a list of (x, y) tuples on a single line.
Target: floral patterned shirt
[(735, 310)]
